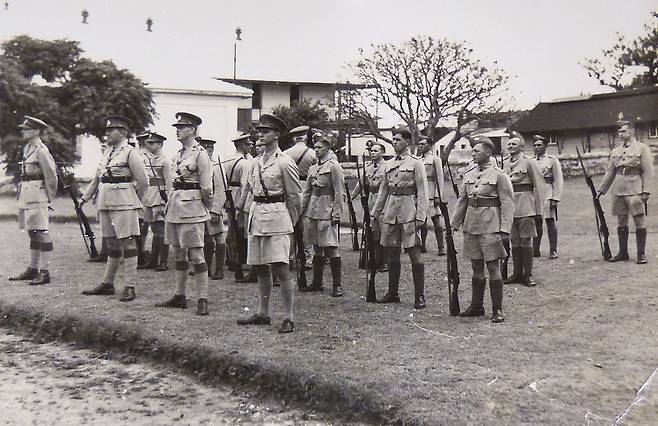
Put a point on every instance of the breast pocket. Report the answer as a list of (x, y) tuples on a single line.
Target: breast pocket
[(191, 206), (407, 176), (519, 175)]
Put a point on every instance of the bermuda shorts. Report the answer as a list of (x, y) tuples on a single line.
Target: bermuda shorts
[(215, 225), (405, 235), (184, 235), (485, 247), (262, 250), (320, 232), (523, 227), (627, 205), (33, 219), (119, 223)]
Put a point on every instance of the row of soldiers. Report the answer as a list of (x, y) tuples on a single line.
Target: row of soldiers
[(184, 201)]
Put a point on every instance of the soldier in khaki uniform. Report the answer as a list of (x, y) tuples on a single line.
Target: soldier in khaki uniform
[(158, 169), (322, 206), (37, 188), (434, 172), (550, 168), (187, 211), (234, 169), (528, 186), (215, 237), (373, 176), (629, 173), (121, 181), (274, 182), (485, 208), (401, 209)]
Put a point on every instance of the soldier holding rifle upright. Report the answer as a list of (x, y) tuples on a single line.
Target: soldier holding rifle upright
[(550, 168), (629, 172), (37, 188), (485, 209)]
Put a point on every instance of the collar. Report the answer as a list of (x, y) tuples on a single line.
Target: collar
[(404, 154), (485, 166)]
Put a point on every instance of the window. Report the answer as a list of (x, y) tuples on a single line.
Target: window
[(257, 98), (553, 140), (653, 129), (294, 95)]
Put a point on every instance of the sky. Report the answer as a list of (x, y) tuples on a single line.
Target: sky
[(539, 43)]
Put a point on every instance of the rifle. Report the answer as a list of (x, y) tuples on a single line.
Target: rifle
[(85, 228), (451, 263), (234, 241), (601, 225), (163, 193), (369, 250), (355, 230), (301, 254)]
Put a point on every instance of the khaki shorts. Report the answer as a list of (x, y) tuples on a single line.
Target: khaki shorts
[(549, 212), (33, 219), (154, 214), (485, 247), (119, 223), (184, 235), (523, 227), (405, 235), (268, 249), (216, 227), (627, 205), (320, 232)]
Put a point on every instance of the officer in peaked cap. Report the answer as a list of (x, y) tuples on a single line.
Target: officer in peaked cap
[(121, 182), (550, 168), (269, 121), (37, 188), (187, 211), (160, 175)]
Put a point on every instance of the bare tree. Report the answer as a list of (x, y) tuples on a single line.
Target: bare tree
[(425, 81)]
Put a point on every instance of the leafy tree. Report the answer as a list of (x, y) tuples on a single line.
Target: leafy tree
[(50, 80), (425, 81), (628, 64), (302, 113)]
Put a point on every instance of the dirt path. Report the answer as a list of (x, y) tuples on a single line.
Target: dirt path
[(56, 384)]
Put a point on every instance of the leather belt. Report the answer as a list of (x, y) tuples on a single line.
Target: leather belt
[(484, 202), (431, 178), (522, 187), (156, 182), (264, 199), (629, 170), (116, 179), (26, 177), (319, 191), (235, 184), (179, 186), (402, 190), (548, 179)]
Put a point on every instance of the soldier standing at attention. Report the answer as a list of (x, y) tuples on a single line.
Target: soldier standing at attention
[(528, 186), (629, 172), (485, 209), (215, 237), (401, 209), (322, 206), (121, 182), (187, 211), (274, 182), (550, 168), (158, 169), (37, 188), (433, 166)]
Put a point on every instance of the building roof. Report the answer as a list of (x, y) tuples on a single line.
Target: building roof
[(201, 86), (592, 111), (336, 85)]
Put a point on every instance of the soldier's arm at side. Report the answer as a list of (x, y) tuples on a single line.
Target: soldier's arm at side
[(506, 197), (558, 180), (138, 171), (219, 196), (306, 191), (91, 188), (293, 188), (609, 177), (49, 170), (460, 208), (382, 195), (422, 196), (168, 173), (647, 168), (538, 184), (338, 182), (205, 179)]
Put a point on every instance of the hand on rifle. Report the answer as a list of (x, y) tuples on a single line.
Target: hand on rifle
[(554, 203), (335, 221), (599, 194), (82, 201), (645, 196), (215, 218)]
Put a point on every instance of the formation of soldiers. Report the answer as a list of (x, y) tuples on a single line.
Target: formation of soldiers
[(283, 203)]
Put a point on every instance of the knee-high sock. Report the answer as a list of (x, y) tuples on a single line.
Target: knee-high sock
[(201, 278), (46, 249), (181, 276), (35, 254), (288, 296), (112, 265), (130, 267), (264, 293)]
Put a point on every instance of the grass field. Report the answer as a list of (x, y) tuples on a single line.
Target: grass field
[(573, 350)]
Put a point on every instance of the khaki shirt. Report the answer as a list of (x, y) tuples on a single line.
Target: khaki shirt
[(121, 160), (37, 160), (403, 171), (278, 172), (303, 158), (235, 170), (191, 165), (432, 164), (634, 154), (550, 168), (374, 176), (487, 182), (160, 176), (524, 170), (218, 189), (324, 177)]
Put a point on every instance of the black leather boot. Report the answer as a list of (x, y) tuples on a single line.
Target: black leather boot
[(528, 280), (209, 251), (335, 263), (155, 253), (251, 277), (536, 241), (392, 295), (43, 277), (418, 274), (163, 264), (496, 290), (622, 234), (128, 294), (552, 238), (517, 258), (641, 241), (177, 301), (318, 273), (202, 306), (28, 274), (220, 255), (104, 289), (423, 238), (477, 299), (440, 241)]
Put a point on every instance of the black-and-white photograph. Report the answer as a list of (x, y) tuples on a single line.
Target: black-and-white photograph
[(328, 213)]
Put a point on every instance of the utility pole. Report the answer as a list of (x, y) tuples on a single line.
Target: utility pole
[(238, 32)]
